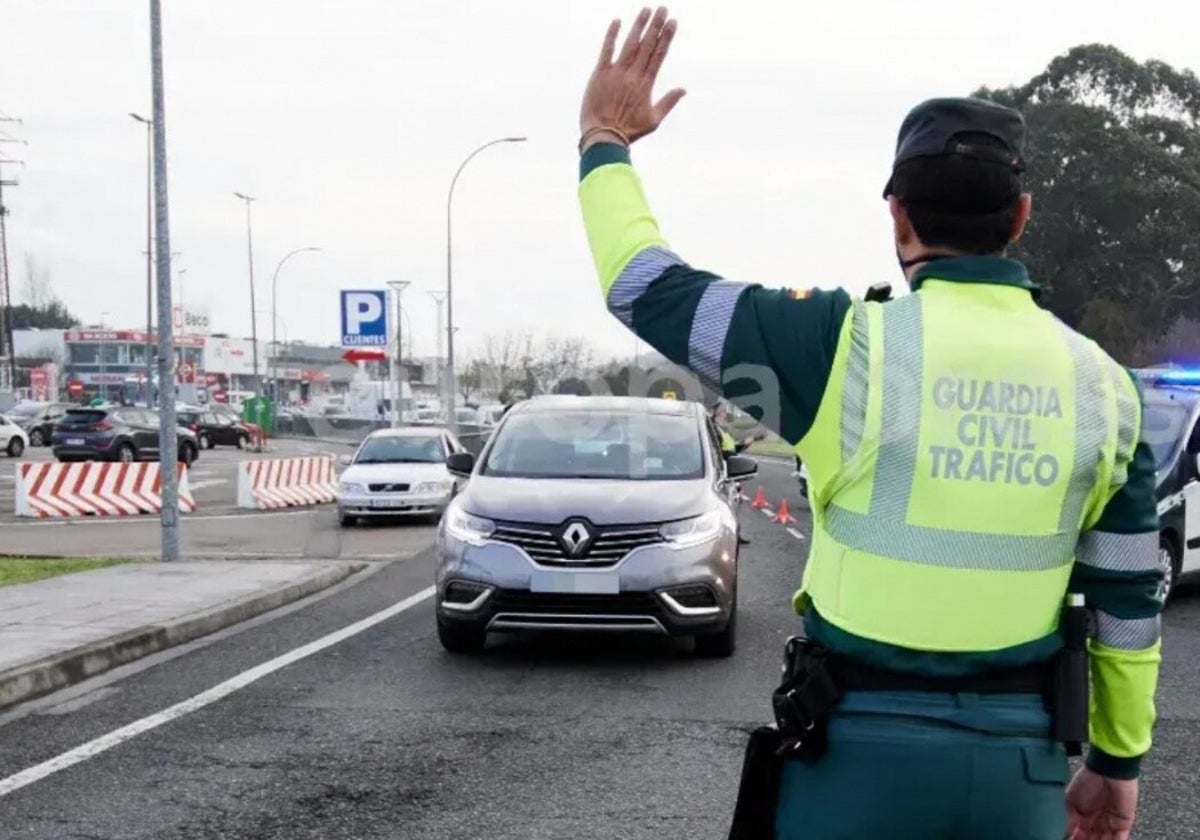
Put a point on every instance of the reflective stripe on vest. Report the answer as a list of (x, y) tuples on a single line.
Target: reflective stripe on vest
[(975, 457)]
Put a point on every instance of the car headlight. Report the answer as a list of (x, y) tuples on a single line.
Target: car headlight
[(473, 530), (351, 487), (695, 531), (433, 487)]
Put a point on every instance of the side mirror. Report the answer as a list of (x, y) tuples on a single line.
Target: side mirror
[(346, 460), (740, 466), (461, 464)]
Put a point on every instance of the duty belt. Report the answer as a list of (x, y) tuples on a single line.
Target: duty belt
[(851, 675), (815, 679)]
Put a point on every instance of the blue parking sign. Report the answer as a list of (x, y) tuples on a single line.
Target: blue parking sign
[(364, 318)]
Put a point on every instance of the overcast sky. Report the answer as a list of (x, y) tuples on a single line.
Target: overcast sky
[(347, 118)]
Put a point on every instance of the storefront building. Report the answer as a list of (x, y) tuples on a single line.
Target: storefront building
[(112, 364)]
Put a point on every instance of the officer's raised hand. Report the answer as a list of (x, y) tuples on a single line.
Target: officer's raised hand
[(617, 104)]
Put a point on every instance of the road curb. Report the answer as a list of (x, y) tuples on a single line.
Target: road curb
[(44, 676)]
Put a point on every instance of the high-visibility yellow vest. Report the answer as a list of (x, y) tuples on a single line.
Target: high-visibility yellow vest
[(728, 444), (965, 439)]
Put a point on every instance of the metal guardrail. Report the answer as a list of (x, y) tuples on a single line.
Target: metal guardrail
[(353, 430)]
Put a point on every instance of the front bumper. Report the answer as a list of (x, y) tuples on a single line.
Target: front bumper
[(392, 504), (643, 592)]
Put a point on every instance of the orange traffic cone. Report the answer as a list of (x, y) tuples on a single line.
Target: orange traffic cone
[(781, 514), (760, 499)]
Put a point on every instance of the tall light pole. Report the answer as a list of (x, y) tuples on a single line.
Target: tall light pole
[(168, 447), (439, 298), (397, 286), (450, 389), (253, 316), (149, 251), (274, 343), (182, 301), (103, 347)]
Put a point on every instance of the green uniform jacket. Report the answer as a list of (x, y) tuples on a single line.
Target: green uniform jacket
[(714, 326)]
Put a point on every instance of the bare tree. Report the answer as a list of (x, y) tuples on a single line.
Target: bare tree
[(37, 292), (550, 359), (499, 361)]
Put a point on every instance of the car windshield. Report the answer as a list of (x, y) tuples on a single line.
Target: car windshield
[(1162, 427), (401, 449), (628, 445)]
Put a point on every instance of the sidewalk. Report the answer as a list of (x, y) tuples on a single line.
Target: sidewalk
[(60, 631)]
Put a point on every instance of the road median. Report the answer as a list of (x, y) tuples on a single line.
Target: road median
[(64, 630)]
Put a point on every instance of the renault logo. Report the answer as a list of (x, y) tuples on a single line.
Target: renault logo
[(576, 538)]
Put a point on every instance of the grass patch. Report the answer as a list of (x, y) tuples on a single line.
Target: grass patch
[(772, 446), (26, 569)]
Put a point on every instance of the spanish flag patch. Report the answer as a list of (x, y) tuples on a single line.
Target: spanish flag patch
[(801, 294)]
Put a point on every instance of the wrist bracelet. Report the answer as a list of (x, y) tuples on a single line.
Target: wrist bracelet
[(620, 135)]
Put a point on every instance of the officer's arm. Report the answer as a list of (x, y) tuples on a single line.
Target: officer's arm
[(1117, 569), (769, 351)]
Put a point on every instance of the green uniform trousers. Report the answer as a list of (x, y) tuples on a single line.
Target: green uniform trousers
[(918, 766)]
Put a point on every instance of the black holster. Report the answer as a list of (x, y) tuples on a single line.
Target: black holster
[(802, 705), (1067, 687)]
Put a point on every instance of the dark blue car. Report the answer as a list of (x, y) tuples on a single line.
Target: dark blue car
[(115, 434)]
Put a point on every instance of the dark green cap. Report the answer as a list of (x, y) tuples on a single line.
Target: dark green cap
[(936, 127)]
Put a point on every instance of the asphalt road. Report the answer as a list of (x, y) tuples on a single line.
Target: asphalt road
[(382, 735), (213, 478)]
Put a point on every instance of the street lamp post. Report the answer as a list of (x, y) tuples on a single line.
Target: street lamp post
[(450, 389), (274, 343), (149, 251), (182, 304), (398, 286), (103, 364), (253, 316), (168, 450)]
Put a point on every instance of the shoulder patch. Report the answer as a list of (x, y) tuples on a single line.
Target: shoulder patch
[(800, 294)]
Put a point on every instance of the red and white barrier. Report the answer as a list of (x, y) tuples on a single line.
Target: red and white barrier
[(94, 488), (271, 483)]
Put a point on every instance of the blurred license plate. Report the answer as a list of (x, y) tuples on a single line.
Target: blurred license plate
[(74, 441), (579, 583), (388, 503)]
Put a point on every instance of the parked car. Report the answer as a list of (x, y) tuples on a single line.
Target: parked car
[(593, 513), (215, 428), (38, 419), (398, 472), (116, 434), (13, 439)]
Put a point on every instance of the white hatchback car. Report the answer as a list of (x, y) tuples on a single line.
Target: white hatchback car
[(398, 472), (13, 438)]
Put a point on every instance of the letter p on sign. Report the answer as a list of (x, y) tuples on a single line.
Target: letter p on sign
[(364, 318)]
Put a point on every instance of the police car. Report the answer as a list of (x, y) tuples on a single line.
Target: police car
[(1170, 427)]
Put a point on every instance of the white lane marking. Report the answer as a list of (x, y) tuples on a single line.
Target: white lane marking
[(85, 521), (795, 533), (767, 511), (117, 737), (210, 482)]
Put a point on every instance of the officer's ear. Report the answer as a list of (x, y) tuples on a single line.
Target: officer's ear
[(905, 233), (1024, 209)]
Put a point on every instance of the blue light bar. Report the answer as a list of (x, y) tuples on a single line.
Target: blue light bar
[(1181, 376)]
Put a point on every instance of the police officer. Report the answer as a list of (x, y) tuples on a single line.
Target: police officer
[(730, 446), (972, 461)]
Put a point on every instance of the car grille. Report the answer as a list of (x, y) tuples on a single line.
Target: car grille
[(538, 603), (388, 488), (608, 547)]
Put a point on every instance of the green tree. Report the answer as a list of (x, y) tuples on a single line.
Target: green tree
[(1113, 162)]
